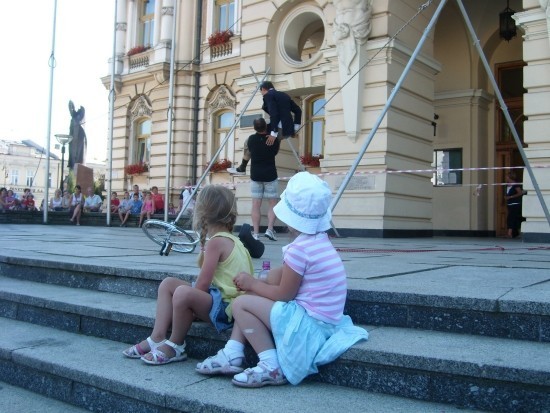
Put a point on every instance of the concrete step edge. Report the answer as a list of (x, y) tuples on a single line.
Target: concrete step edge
[(421, 350), (92, 373)]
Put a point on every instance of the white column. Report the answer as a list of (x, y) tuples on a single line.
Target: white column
[(536, 54), (167, 20), (121, 28)]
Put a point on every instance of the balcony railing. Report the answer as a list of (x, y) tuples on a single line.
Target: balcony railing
[(221, 50), (138, 61)]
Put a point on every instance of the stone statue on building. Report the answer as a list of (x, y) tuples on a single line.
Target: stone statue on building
[(351, 28), (77, 148)]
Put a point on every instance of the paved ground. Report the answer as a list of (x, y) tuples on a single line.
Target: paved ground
[(485, 268)]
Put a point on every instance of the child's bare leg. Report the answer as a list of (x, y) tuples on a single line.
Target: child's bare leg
[(163, 318), (165, 306), (252, 317), (186, 303)]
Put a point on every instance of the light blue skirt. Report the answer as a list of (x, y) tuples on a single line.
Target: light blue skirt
[(303, 343)]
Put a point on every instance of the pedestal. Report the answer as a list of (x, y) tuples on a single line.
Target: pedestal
[(83, 176)]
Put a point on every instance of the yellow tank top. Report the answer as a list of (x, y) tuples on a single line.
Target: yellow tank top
[(239, 260)]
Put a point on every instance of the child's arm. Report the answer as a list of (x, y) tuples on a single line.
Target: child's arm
[(213, 251), (286, 290)]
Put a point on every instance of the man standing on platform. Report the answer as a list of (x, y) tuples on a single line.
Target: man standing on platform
[(263, 176)]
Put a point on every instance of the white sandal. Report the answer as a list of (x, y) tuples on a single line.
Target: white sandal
[(159, 357), (264, 377), (219, 364), (137, 352)]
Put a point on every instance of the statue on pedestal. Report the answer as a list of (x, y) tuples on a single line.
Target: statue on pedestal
[(77, 148)]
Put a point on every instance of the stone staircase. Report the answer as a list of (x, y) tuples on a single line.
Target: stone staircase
[(66, 324)]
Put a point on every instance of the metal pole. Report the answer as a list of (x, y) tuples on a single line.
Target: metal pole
[(170, 109), (504, 109), (111, 118), (49, 128), (62, 165), (222, 144), (387, 106)]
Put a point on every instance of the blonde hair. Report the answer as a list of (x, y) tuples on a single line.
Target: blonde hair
[(215, 206)]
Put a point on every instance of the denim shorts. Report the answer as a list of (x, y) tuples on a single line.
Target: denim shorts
[(267, 190)]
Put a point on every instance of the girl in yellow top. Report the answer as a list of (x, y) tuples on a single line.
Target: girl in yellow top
[(210, 297)]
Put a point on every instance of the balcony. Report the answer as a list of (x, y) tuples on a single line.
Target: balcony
[(217, 52)]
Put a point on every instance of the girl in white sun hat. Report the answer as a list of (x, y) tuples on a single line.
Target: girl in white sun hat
[(295, 321)]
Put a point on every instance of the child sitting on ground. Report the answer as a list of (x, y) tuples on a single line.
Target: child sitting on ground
[(210, 298), (295, 320), (134, 208), (148, 208)]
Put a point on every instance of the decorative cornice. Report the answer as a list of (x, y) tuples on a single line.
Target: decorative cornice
[(221, 99), (141, 108)]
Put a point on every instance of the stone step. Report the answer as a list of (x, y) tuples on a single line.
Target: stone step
[(17, 400), (92, 373), (521, 318), (469, 371)]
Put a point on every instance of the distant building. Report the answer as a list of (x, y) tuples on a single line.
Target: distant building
[(445, 126), (23, 165)]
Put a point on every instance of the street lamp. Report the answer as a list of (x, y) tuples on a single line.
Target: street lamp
[(63, 140)]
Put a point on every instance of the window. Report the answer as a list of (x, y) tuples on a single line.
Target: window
[(147, 22), (14, 177), (445, 160), (224, 122), (316, 131), (225, 15), (143, 140), (30, 177)]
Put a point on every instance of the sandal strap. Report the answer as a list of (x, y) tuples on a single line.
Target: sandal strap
[(153, 344), (178, 348)]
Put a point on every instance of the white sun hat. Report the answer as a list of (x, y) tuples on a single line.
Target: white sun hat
[(305, 204)]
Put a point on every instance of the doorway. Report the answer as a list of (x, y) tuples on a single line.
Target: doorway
[(510, 83)]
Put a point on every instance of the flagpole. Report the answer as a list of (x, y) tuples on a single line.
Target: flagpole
[(49, 128), (111, 118), (170, 110)]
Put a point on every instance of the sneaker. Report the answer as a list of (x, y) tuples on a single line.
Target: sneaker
[(269, 233), (260, 376), (255, 236), (235, 171)]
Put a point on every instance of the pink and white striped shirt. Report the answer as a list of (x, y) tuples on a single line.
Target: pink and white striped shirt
[(323, 290)]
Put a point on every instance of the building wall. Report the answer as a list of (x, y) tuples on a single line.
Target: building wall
[(447, 79), (16, 156)]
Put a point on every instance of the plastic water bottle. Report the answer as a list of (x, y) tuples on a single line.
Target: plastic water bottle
[(266, 266)]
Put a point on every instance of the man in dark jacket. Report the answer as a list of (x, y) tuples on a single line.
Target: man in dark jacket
[(263, 176), (283, 113)]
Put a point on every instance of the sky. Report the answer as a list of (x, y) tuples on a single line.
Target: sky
[(83, 46)]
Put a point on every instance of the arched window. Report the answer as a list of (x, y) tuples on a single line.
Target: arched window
[(223, 123), (143, 141), (147, 22), (316, 129)]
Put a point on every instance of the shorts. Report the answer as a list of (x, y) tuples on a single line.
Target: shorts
[(217, 314), (267, 190)]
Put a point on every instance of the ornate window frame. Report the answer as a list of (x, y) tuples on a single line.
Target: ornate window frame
[(221, 102), (141, 111)]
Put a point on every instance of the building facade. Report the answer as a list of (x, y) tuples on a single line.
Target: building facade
[(437, 161), (23, 165)]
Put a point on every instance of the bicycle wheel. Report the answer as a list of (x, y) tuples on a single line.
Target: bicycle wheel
[(162, 232)]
